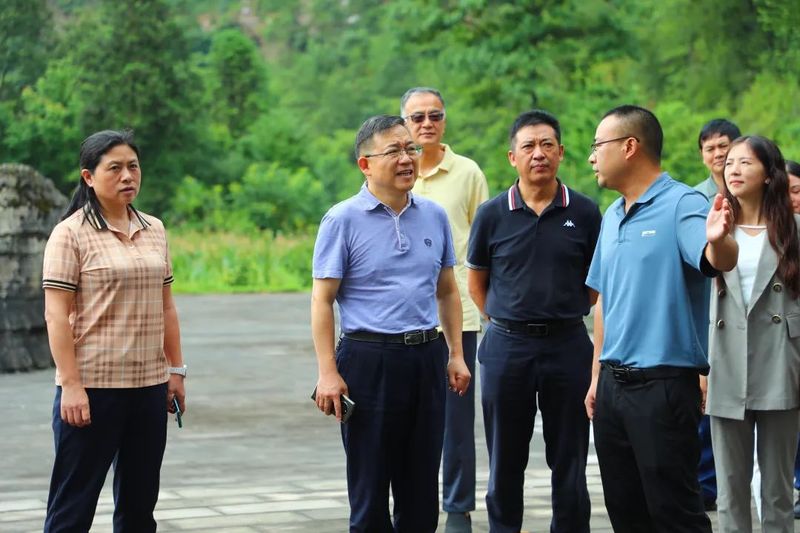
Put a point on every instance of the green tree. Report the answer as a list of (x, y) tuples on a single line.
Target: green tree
[(25, 38), (237, 80), (135, 74)]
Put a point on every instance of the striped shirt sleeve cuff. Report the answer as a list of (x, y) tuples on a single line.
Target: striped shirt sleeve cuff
[(58, 284)]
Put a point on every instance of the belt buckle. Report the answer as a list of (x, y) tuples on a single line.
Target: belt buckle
[(622, 374), (537, 330), (412, 338)]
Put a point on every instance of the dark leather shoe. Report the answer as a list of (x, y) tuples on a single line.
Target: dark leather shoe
[(458, 523)]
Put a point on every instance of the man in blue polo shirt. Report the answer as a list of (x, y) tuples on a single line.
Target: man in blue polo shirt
[(528, 254), (386, 257), (656, 247)]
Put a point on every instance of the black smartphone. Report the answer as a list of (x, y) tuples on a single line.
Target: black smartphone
[(177, 408), (348, 405)]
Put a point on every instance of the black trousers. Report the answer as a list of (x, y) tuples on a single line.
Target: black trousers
[(520, 375), (647, 445), (394, 438), (129, 428)]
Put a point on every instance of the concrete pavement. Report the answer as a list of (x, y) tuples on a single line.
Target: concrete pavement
[(254, 454)]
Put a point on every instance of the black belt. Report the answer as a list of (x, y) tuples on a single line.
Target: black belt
[(541, 328), (629, 374), (409, 338)]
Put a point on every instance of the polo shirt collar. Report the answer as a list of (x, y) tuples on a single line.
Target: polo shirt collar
[(369, 201), (653, 189), (445, 165), (711, 184), (97, 221), (515, 197)]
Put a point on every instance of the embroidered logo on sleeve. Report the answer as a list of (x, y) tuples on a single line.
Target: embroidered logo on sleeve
[(649, 233)]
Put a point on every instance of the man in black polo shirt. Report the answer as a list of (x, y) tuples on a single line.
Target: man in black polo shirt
[(529, 252)]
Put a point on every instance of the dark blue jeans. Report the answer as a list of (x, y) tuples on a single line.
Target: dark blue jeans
[(394, 437), (128, 429), (458, 455), (520, 373)]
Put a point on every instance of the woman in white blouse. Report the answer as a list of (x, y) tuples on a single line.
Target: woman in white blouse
[(754, 346)]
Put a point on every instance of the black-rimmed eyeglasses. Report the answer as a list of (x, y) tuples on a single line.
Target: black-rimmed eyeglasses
[(410, 151), (419, 117), (594, 145)]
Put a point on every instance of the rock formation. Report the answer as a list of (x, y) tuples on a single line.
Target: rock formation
[(30, 205)]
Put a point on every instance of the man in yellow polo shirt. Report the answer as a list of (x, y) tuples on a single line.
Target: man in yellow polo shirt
[(457, 184)]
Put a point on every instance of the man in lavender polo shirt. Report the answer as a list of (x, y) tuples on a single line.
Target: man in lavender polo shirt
[(386, 257)]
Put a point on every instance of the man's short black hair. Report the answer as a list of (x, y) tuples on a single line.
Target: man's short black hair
[(641, 123), (718, 126), (373, 126), (533, 117)]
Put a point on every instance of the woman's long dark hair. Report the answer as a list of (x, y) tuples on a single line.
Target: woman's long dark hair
[(776, 208), (93, 148)]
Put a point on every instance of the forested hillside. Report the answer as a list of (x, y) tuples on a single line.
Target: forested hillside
[(246, 110)]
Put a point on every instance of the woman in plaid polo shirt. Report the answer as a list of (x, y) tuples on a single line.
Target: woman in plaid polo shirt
[(114, 336)]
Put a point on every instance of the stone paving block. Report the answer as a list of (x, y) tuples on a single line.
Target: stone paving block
[(337, 513), (326, 484), (267, 507), (227, 491), (240, 529), (21, 505), (223, 523), (22, 516), (188, 512)]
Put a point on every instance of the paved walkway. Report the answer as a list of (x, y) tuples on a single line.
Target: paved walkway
[(254, 454)]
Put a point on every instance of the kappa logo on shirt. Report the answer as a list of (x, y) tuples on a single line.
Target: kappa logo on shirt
[(569, 223)]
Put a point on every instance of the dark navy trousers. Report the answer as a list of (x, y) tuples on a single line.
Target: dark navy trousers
[(520, 374), (128, 429), (394, 438), (458, 455), (706, 473)]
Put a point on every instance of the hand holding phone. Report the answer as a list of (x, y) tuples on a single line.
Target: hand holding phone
[(348, 405), (177, 407)]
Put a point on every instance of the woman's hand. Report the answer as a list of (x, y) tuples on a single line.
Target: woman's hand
[(75, 406)]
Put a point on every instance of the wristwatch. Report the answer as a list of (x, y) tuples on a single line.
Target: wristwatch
[(180, 370)]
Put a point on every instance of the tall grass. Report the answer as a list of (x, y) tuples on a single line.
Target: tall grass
[(214, 262)]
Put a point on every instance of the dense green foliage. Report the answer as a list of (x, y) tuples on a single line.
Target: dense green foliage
[(246, 110)]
